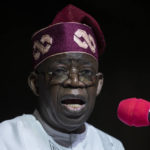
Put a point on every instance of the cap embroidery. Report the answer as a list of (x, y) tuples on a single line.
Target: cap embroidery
[(39, 48), (88, 40)]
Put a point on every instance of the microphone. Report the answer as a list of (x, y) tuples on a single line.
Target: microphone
[(134, 112)]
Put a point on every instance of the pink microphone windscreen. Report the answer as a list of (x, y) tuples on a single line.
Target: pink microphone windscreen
[(134, 112)]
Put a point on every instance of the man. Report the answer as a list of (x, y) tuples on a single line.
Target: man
[(66, 81)]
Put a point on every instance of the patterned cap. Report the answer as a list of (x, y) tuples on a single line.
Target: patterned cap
[(71, 31)]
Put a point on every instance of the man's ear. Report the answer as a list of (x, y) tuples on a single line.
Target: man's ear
[(32, 82), (100, 83)]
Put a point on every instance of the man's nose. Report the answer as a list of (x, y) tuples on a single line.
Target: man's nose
[(73, 80)]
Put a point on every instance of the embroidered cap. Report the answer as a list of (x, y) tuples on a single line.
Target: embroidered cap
[(72, 30)]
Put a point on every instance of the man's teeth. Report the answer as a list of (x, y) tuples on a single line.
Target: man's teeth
[(74, 107)]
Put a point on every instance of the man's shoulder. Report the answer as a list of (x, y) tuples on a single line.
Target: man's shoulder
[(106, 138), (104, 134), (13, 132), (12, 125)]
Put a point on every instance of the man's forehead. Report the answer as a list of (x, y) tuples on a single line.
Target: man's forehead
[(69, 57)]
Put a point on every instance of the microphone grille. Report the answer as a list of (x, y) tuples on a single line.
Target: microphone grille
[(134, 112)]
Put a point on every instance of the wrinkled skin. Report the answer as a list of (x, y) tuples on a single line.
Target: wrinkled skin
[(50, 95)]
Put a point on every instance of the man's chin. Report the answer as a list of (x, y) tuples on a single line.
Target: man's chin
[(72, 122), (73, 128)]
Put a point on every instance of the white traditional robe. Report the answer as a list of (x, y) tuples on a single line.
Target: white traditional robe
[(26, 133)]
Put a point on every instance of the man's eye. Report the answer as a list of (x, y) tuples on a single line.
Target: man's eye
[(86, 72), (59, 71)]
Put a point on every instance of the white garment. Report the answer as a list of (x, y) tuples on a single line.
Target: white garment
[(26, 133)]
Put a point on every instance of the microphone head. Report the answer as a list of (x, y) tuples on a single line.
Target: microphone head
[(134, 112)]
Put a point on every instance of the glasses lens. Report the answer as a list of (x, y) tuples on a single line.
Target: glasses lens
[(59, 76)]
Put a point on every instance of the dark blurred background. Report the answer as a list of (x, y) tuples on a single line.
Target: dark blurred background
[(125, 63)]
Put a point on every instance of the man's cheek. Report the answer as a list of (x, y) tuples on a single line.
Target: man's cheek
[(53, 92), (92, 91)]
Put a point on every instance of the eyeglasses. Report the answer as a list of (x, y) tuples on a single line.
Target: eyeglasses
[(59, 76)]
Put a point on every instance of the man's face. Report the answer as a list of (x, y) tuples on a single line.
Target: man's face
[(67, 88)]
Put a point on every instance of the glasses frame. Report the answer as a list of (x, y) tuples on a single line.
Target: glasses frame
[(49, 77)]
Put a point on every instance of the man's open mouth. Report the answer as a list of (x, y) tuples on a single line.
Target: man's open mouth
[(73, 103)]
